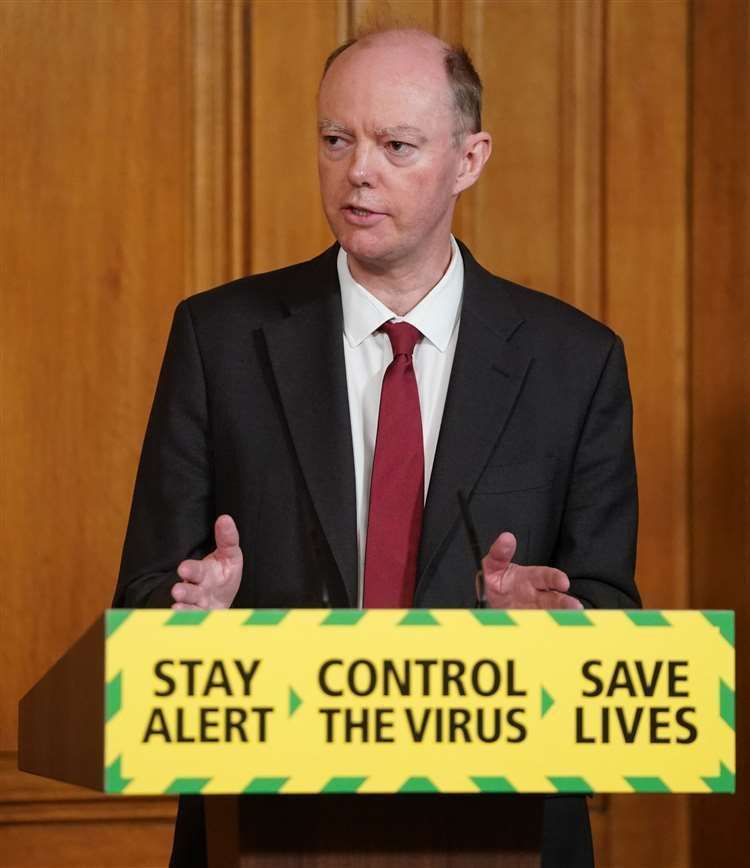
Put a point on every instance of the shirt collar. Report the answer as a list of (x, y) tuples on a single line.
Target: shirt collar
[(435, 316)]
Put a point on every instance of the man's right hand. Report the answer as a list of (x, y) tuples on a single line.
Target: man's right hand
[(213, 582)]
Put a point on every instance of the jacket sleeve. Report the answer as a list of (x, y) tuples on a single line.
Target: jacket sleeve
[(597, 540), (172, 513)]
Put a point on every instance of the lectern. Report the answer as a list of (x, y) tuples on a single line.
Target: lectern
[(386, 737)]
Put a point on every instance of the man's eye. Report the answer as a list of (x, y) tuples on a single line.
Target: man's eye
[(333, 141), (399, 148)]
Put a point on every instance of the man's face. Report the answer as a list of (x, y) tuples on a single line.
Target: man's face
[(387, 159)]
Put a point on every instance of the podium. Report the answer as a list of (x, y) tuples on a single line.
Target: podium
[(385, 737)]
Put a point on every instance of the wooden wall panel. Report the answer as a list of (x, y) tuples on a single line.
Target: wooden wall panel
[(646, 267), (93, 252), (95, 175), (159, 148), (514, 224), (44, 823), (289, 43), (393, 13), (645, 262), (720, 377), (217, 70), (536, 216)]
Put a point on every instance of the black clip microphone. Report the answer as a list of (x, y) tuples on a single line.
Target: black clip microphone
[(471, 533)]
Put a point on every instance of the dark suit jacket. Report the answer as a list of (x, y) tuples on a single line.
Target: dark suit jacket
[(251, 419)]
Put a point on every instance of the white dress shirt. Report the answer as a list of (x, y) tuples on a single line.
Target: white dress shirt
[(367, 354)]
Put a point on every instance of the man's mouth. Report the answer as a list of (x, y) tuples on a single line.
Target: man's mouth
[(362, 217), (360, 212)]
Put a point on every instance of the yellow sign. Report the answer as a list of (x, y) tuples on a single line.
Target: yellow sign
[(382, 701)]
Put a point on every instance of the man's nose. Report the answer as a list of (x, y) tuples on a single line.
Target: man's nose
[(362, 166)]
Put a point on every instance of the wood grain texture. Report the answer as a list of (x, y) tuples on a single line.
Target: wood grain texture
[(61, 719), (646, 268), (218, 174), (289, 43), (32, 799), (368, 14), (581, 163), (646, 272), (45, 823), (144, 843), (157, 148), (719, 307), (92, 243), (94, 174), (512, 217)]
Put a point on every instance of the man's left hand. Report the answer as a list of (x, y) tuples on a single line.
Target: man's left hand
[(512, 586)]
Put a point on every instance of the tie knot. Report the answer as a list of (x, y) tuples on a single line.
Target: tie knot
[(404, 337)]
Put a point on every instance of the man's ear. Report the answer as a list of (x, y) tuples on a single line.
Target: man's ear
[(475, 151)]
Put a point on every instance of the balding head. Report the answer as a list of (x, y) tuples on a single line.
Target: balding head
[(393, 155), (461, 77)]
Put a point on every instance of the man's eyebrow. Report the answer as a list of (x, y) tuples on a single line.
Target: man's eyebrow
[(401, 130), (331, 126)]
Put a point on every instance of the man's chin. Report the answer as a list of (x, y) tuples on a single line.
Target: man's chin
[(372, 252)]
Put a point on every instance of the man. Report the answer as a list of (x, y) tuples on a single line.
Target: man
[(313, 408)]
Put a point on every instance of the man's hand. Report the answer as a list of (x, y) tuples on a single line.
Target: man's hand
[(212, 583), (512, 586)]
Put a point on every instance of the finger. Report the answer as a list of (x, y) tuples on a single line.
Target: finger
[(556, 600), (543, 578), (227, 538), (500, 554), (185, 592), (191, 571), (557, 580)]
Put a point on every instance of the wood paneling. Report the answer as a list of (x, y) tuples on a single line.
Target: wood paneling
[(646, 268), (45, 823), (290, 42), (92, 235), (514, 225), (720, 376), (216, 72), (645, 261), (152, 149), (95, 175)]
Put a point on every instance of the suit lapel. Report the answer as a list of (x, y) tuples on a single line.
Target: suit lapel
[(488, 373), (307, 359)]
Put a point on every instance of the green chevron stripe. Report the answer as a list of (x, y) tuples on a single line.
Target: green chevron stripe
[(343, 618), (648, 785), (343, 785), (570, 784), (493, 618), (419, 618), (294, 701), (114, 619), (647, 618), (418, 785), (547, 702), (265, 785), (186, 618), (724, 621), (493, 785), (726, 703), (265, 617), (186, 786), (724, 782), (113, 697), (114, 782), (570, 617)]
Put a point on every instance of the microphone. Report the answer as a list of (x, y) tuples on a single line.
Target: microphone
[(471, 533)]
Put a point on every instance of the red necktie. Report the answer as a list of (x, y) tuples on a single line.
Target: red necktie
[(397, 486)]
